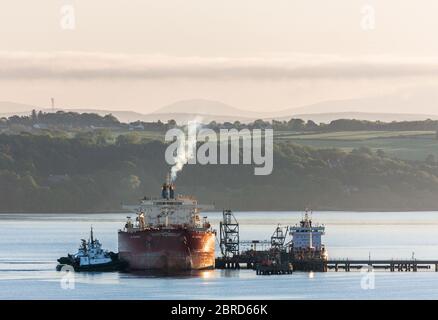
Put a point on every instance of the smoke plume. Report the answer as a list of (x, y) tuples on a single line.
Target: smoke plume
[(186, 147)]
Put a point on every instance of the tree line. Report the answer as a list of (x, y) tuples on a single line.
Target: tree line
[(300, 125), (42, 173)]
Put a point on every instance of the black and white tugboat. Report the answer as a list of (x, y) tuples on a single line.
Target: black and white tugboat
[(91, 257)]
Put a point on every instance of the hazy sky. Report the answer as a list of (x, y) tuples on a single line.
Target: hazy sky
[(254, 54)]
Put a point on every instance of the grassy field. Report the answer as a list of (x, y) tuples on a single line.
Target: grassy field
[(148, 135), (408, 145), (355, 135)]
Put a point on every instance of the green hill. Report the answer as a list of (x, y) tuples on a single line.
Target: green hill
[(87, 173)]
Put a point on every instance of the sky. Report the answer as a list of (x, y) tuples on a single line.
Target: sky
[(256, 55)]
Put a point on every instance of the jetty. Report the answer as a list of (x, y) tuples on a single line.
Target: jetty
[(389, 265), (304, 252)]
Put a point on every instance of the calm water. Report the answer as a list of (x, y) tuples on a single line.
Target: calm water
[(31, 243)]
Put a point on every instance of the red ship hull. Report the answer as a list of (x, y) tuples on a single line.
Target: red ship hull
[(167, 249)]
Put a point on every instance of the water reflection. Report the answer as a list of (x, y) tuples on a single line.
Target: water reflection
[(206, 274), (228, 273), (180, 274)]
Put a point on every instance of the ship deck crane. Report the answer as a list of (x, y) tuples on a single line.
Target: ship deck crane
[(278, 238)]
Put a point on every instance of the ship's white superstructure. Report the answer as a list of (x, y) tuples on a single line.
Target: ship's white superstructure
[(305, 235), (169, 211)]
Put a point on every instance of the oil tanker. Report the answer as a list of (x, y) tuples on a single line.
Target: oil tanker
[(167, 234)]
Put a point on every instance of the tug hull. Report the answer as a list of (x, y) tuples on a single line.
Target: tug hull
[(167, 249)]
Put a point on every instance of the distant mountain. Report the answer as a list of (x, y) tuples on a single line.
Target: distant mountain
[(384, 108), (182, 118), (180, 111), (390, 107), (384, 117), (207, 107), (422, 101)]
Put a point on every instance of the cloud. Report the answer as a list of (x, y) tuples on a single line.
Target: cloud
[(91, 66)]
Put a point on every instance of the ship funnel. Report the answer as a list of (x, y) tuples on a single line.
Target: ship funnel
[(168, 189), (172, 191), (165, 191)]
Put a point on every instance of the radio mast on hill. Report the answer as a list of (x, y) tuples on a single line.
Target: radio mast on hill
[(53, 104)]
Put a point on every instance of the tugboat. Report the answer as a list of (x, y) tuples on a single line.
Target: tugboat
[(91, 257)]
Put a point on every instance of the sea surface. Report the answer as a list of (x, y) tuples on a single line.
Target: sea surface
[(31, 243)]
